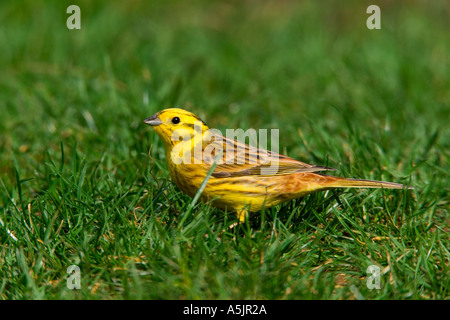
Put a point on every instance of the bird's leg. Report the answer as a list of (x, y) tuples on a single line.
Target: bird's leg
[(242, 215)]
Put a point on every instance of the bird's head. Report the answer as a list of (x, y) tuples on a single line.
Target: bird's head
[(175, 125)]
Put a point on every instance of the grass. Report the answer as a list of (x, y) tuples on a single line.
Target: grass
[(75, 181)]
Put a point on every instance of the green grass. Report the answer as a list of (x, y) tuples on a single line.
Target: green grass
[(75, 181)]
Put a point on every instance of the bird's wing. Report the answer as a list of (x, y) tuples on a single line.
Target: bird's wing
[(239, 159)]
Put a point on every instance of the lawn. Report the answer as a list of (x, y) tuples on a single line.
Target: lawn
[(77, 185)]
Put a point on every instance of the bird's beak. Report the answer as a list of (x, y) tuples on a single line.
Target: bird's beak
[(153, 120)]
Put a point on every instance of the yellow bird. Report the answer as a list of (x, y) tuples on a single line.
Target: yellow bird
[(245, 178)]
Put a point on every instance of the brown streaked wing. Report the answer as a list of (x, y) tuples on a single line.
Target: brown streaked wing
[(247, 160)]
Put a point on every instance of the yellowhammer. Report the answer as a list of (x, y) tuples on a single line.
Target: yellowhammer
[(245, 178)]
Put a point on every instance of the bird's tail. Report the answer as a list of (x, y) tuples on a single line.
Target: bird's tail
[(360, 183)]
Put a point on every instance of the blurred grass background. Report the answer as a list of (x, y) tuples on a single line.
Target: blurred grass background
[(75, 182)]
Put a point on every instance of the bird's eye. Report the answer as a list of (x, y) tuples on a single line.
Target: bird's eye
[(175, 120)]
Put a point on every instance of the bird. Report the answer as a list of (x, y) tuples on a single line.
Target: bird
[(245, 179)]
